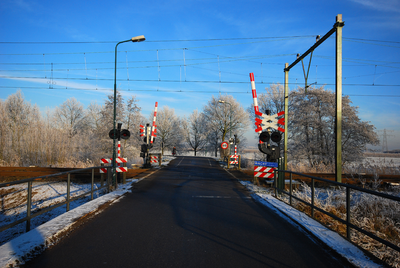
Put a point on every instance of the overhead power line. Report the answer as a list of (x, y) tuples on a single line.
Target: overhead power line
[(192, 40), (158, 41), (182, 91), (179, 81), (143, 50)]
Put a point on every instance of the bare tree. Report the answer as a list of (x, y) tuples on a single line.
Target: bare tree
[(227, 117), (214, 140), (196, 131), (4, 133), (169, 129), (312, 125), (132, 120), (108, 110), (67, 136), (94, 117), (272, 100), (70, 116)]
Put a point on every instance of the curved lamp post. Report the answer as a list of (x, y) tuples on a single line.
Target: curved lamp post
[(139, 38)]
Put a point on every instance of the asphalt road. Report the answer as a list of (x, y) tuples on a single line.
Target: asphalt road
[(189, 214)]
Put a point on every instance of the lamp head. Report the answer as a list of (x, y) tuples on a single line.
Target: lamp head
[(138, 38)]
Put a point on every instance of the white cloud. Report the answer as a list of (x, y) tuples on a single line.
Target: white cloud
[(382, 5)]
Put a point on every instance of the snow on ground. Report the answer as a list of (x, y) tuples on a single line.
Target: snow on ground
[(49, 227), (346, 249), (32, 243), (44, 194)]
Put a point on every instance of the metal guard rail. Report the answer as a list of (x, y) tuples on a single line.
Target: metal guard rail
[(347, 222), (29, 216)]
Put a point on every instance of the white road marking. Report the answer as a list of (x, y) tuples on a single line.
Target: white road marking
[(146, 176), (181, 161)]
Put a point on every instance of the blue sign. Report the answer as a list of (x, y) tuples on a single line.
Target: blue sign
[(265, 164)]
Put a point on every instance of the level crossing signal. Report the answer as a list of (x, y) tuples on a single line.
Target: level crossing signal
[(276, 136), (264, 136), (265, 147), (119, 134)]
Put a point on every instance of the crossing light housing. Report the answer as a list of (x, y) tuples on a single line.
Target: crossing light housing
[(276, 136), (125, 134), (264, 137)]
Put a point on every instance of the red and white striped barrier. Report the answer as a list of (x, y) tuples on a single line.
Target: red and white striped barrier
[(154, 159), (117, 160), (264, 172), (153, 128), (253, 91), (142, 133), (234, 161), (235, 156)]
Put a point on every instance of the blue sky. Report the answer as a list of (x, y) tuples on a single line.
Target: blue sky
[(55, 50)]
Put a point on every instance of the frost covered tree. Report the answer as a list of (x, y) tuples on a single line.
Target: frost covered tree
[(70, 116), (196, 131), (226, 117), (133, 118), (108, 110), (94, 117), (311, 125), (272, 100), (169, 129), (131, 121)]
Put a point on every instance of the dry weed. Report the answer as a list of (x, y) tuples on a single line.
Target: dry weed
[(377, 215)]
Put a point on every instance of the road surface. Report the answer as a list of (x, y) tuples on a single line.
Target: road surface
[(189, 214)]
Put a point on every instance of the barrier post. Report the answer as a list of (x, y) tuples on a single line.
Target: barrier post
[(91, 191), (109, 179), (101, 177), (68, 190), (28, 207), (124, 175)]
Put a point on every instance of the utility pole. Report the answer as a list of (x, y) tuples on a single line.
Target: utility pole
[(285, 142), (338, 120), (337, 27)]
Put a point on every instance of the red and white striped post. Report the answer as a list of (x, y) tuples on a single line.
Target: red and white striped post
[(119, 151), (153, 128), (236, 160), (253, 91)]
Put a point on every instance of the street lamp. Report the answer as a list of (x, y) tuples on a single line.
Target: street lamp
[(230, 121), (139, 38)]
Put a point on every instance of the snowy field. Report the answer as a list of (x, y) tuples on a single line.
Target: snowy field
[(32, 243), (13, 203)]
